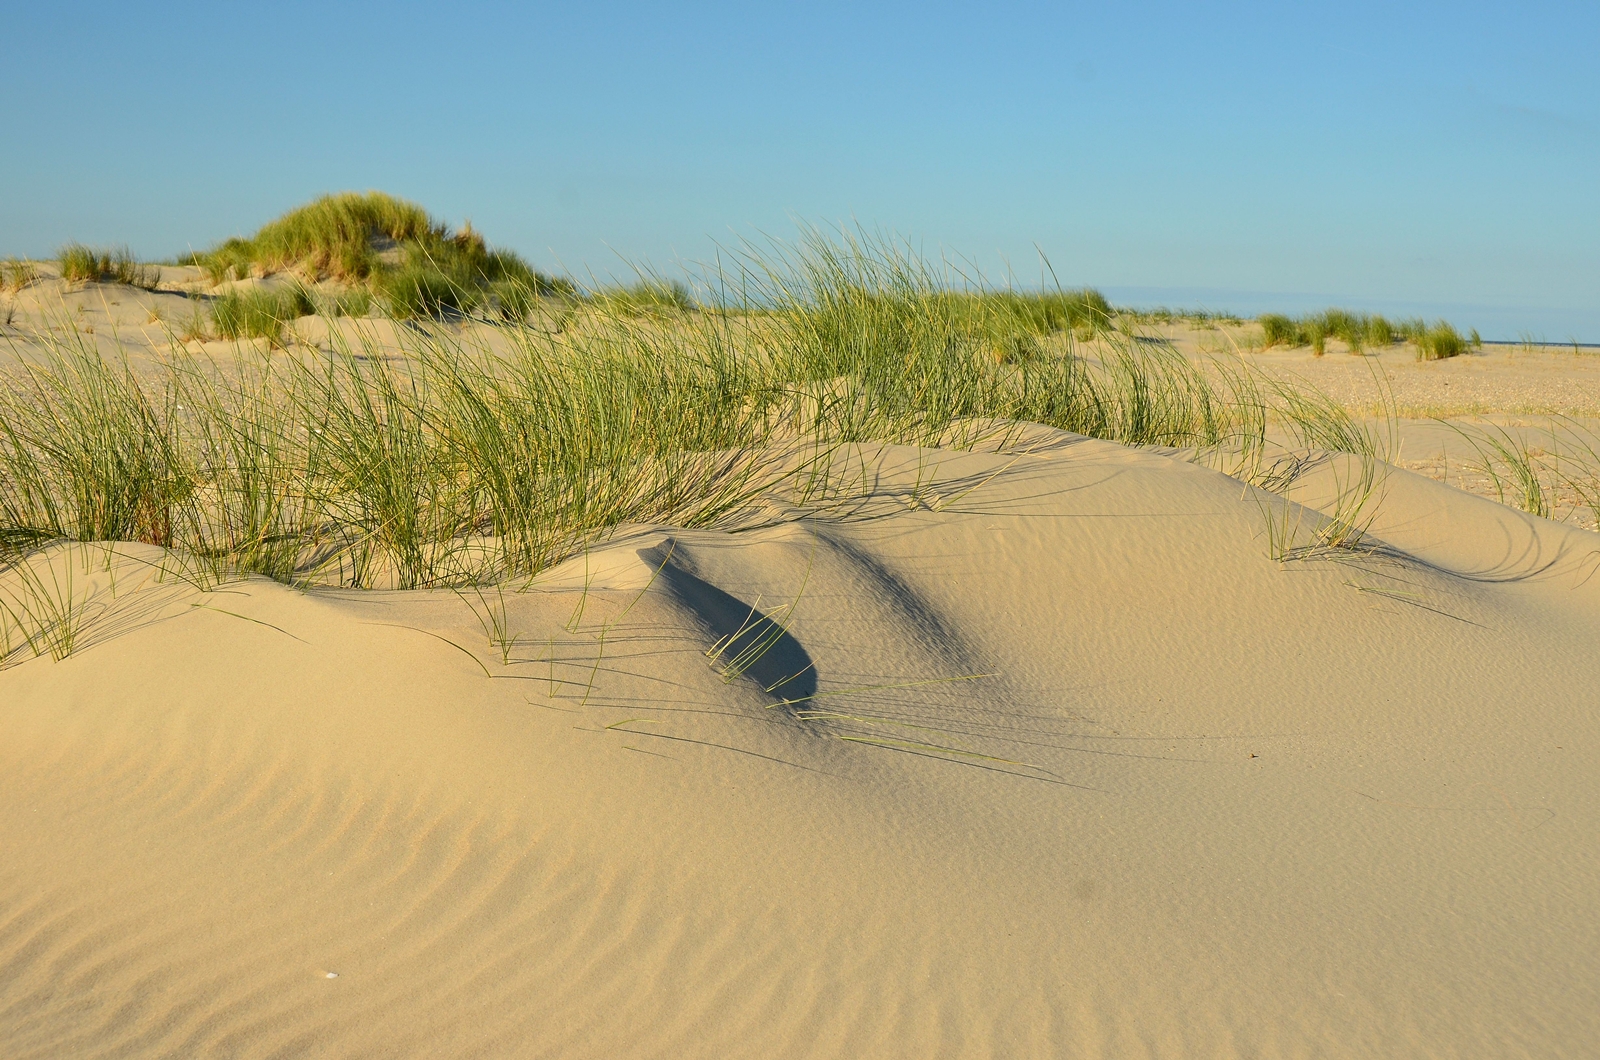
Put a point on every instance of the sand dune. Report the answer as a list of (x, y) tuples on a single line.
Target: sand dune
[(1044, 756)]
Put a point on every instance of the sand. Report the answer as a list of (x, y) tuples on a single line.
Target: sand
[(1047, 757), (1035, 754)]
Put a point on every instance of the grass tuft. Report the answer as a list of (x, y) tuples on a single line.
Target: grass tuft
[(1358, 331), (15, 274), (424, 289), (90, 452), (1439, 342), (260, 313), (356, 302), (81, 264)]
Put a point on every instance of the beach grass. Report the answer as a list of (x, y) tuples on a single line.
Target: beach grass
[(261, 312), (459, 456), (1166, 315), (646, 296), (43, 610), (17, 273), (331, 236), (1360, 331), (355, 302), (380, 249), (1440, 341), (81, 264)]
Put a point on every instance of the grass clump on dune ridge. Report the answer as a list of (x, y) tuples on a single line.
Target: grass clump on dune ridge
[(888, 350), (81, 264), (332, 236)]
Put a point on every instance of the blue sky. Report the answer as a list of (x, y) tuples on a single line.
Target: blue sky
[(1433, 158)]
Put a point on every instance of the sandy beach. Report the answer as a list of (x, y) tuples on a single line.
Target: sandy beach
[(1033, 752), (800, 532)]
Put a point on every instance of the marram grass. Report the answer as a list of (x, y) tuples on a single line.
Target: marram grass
[(467, 456), (387, 249), (81, 264), (1360, 331), (16, 274), (261, 312)]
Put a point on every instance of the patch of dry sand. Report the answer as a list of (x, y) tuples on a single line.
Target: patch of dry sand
[(1064, 765)]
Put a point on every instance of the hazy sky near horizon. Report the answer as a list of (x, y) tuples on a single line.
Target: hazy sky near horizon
[(1410, 154)]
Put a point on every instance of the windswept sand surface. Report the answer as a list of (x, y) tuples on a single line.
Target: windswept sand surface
[(1046, 757)]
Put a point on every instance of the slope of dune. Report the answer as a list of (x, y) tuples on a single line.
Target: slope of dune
[(1037, 754)]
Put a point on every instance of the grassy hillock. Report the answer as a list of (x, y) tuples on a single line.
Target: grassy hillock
[(387, 248)]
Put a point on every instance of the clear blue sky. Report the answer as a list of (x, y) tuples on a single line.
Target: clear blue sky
[(1426, 156)]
